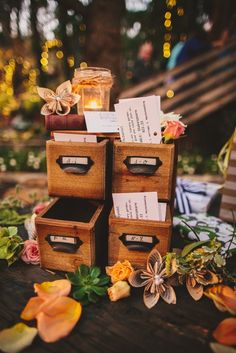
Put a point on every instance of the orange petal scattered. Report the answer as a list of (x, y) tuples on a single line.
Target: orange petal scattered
[(58, 318), (225, 333), (32, 308), (61, 287), (224, 297)]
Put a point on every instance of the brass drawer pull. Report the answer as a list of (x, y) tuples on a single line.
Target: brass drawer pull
[(75, 164), (142, 165), (139, 242), (63, 243)]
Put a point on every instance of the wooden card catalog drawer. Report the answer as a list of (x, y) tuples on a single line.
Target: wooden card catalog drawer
[(77, 169), (139, 167), (131, 239), (71, 232)]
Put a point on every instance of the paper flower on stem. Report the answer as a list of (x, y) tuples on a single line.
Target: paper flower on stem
[(196, 279), (155, 281), (58, 102)]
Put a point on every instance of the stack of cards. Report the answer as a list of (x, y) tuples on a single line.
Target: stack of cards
[(139, 119), (139, 205)]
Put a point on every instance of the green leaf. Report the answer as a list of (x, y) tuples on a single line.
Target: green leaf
[(188, 248), (79, 294), (95, 280), (74, 278), (84, 270), (92, 297), (104, 280), (95, 272), (101, 291), (12, 231)]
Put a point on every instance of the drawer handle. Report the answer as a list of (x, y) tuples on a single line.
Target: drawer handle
[(139, 242), (63, 243), (75, 164), (142, 165)]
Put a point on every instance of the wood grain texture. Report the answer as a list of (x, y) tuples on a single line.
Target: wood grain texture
[(91, 185), (125, 326), (88, 233), (117, 251), (161, 181)]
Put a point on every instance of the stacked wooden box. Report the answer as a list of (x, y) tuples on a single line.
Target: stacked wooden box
[(74, 228)]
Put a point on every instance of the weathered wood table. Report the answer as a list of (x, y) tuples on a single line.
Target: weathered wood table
[(122, 327)]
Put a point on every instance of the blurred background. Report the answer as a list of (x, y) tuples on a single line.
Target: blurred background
[(141, 41)]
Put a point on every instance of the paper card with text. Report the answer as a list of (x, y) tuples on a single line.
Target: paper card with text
[(136, 205), (66, 137), (139, 119), (162, 211), (101, 121)]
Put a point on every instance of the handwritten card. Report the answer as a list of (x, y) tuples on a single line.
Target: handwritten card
[(66, 137), (136, 205), (139, 119), (101, 121)]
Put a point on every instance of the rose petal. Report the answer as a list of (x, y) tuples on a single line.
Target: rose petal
[(225, 333), (61, 287), (224, 297), (58, 318), (32, 308), (169, 295), (196, 292), (219, 348), (16, 338), (150, 299)]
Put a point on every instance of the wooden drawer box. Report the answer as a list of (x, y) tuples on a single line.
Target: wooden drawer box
[(139, 167), (70, 232), (131, 239), (77, 169)]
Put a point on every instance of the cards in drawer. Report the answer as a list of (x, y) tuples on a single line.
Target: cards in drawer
[(77, 169), (133, 239), (71, 232), (143, 167)]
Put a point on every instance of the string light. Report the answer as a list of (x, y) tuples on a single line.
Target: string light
[(180, 11), (170, 93)]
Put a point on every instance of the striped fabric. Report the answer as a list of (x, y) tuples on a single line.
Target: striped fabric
[(228, 202)]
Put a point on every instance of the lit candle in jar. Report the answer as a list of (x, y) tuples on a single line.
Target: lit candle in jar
[(93, 105)]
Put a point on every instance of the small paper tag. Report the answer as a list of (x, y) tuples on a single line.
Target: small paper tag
[(62, 239), (136, 205), (139, 238), (143, 160), (75, 160), (101, 121), (64, 137)]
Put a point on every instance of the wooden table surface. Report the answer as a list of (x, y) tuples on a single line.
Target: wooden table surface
[(106, 327)]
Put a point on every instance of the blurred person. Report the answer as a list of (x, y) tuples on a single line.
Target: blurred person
[(172, 61), (143, 66)]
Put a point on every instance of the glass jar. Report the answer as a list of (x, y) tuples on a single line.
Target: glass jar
[(93, 84)]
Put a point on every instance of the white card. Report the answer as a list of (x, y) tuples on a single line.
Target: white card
[(139, 119), (59, 136), (136, 205), (101, 121), (162, 211)]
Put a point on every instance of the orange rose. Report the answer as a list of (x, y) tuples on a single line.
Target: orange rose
[(120, 271), (173, 129)]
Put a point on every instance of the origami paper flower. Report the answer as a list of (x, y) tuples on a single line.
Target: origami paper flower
[(58, 102), (196, 279), (154, 279)]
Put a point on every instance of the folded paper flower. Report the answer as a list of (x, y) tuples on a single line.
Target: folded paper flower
[(16, 338), (58, 102), (223, 297), (155, 280), (225, 333)]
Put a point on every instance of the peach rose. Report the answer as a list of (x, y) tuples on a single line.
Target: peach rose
[(30, 253), (173, 130), (120, 271), (119, 290), (40, 207)]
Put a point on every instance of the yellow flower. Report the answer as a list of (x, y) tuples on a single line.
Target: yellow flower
[(120, 271), (119, 290)]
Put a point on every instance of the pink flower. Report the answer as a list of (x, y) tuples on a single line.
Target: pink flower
[(30, 253), (40, 207), (173, 129)]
